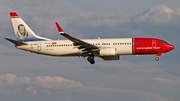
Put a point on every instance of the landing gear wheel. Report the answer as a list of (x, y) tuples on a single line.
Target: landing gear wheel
[(157, 58), (91, 59), (92, 62)]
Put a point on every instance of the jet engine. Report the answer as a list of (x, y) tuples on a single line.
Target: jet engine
[(107, 51)]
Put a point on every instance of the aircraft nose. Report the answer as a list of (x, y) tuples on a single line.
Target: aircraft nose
[(171, 47)]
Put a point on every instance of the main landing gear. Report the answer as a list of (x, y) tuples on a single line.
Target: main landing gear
[(157, 58), (91, 59)]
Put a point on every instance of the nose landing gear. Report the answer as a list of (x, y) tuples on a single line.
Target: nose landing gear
[(157, 58), (91, 59)]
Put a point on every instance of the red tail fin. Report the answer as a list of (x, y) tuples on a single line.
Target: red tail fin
[(13, 14)]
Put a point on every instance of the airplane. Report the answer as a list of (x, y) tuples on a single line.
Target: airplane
[(107, 48)]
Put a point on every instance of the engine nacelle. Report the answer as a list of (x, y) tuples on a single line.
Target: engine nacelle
[(108, 58), (107, 52)]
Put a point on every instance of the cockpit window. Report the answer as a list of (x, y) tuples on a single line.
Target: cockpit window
[(164, 42)]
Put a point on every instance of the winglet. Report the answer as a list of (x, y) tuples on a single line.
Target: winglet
[(13, 15), (60, 30)]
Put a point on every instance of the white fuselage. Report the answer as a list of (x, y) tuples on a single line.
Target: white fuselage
[(124, 46)]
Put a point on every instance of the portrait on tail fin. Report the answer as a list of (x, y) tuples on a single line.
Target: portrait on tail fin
[(22, 32)]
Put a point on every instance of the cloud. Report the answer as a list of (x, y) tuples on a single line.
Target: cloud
[(157, 14), (102, 18), (51, 82), (7, 79), (55, 87), (166, 81)]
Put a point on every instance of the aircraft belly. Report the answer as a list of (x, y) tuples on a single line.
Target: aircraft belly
[(60, 51)]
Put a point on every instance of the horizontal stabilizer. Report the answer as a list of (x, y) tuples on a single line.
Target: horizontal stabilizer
[(16, 42)]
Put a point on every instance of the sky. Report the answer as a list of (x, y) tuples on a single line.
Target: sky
[(31, 77)]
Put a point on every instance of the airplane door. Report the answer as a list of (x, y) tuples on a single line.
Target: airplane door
[(39, 46), (31, 46), (153, 45)]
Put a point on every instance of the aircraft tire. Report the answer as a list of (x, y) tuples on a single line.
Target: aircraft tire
[(91, 59), (157, 58)]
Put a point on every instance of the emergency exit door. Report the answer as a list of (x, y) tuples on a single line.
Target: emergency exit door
[(39, 46)]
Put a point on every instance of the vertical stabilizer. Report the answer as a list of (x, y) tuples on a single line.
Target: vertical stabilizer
[(22, 30)]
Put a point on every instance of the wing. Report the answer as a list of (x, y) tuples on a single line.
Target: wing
[(82, 45)]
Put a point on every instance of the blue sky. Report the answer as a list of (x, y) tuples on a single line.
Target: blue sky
[(25, 76)]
